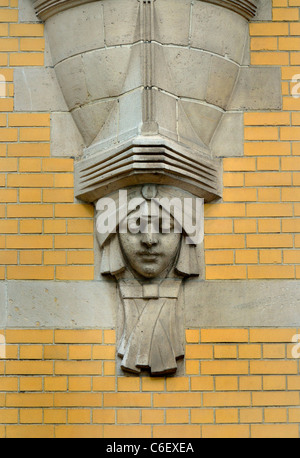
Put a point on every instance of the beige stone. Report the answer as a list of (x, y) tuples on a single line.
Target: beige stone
[(149, 248), (148, 74)]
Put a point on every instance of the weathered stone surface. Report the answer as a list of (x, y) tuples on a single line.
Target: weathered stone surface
[(92, 118), (26, 12), (37, 89), (61, 304), (229, 137), (257, 303), (71, 78), (203, 119), (219, 31), (165, 108), (172, 22), (67, 29), (3, 304), (264, 11), (113, 71), (121, 22), (65, 137), (222, 80), (149, 262), (197, 75), (258, 88), (169, 68)]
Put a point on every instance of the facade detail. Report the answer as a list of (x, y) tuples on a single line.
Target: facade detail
[(121, 314), (151, 87), (149, 267)]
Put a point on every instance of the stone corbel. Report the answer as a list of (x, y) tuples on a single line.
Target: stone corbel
[(157, 89)]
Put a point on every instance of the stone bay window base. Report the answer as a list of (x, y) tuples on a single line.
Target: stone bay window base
[(154, 333)]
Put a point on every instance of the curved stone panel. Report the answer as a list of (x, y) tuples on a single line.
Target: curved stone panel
[(142, 74)]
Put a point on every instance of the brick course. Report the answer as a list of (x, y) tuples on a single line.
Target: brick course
[(237, 382), (246, 384)]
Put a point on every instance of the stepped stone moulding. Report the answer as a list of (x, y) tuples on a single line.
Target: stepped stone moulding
[(156, 88), (46, 8)]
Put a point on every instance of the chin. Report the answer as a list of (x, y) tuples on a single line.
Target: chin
[(148, 274)]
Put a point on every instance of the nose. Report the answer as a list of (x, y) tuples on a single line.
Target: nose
[(149, 238)]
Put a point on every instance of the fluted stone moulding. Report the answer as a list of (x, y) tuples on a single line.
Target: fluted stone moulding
[(47, 8), (156, 88)]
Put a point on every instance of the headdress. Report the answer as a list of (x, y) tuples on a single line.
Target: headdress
[(180, 206)]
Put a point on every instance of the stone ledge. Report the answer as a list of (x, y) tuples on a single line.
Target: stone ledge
[(74, 305), (70, 305), (257, 303)]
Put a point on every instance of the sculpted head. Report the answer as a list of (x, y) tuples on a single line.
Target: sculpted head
[(151, 252), (147, 236)]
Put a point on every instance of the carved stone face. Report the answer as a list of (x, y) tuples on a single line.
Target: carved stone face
[(150, 253)]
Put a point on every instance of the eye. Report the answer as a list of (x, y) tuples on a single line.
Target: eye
[(166, 225)]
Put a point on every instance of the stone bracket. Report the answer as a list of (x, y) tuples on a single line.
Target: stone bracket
[(142, 161), (156, 88)]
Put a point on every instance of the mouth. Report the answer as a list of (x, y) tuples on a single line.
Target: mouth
[(148, 256)]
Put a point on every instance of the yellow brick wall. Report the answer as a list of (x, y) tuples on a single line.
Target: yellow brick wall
[(62, 383), (253, 233), (238, 382), (44, 235)]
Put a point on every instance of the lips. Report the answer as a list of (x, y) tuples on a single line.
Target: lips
[(148, 255)]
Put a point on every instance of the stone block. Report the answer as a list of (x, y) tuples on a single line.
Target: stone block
[(222, 79), (65, 137), (218, 30), (37, 89), (71, 78), (26, 12), (203, 118), (264, 11), (165, 114), (130, 114), (121, 22), (229, 136), (172, 22), (67, 29), (61, 304), (258, 88), (181, 76), (112, 72), (3, 305), (258, 303), (90, 120)]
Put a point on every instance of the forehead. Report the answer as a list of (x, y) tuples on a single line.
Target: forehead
[(148, 210)]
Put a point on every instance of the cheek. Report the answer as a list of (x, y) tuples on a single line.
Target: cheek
[(170, 243), (129, 243)]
